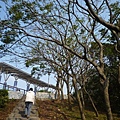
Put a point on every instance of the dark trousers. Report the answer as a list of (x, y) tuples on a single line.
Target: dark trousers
[(28, 106)]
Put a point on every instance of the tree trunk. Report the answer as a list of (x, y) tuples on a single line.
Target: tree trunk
[(95, 109), (78, 99), (57, 94), (69, 97), (62, 95), (119, 71), (68, 93), (82, 98), (105, 83), (61, 90), (107, 101)]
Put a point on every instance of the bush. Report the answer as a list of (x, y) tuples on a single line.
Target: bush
[(45, 91), (3, 98)]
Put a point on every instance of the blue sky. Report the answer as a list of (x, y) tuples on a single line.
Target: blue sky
[(16, 64)]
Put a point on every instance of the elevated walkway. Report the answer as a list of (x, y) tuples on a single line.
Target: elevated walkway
[(9, 70)]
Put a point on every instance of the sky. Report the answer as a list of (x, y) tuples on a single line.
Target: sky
[(21, 66), (9, 60)]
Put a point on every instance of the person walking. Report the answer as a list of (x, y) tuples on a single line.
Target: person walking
[(29, 101)]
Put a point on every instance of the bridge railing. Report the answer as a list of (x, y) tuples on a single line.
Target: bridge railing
[(13, 88)]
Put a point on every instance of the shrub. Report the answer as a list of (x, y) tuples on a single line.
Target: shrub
[(3, 98)]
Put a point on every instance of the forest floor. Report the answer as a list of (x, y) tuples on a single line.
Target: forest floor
[(54, 110)]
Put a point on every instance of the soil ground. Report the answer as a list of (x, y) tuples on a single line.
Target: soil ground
[(4, 112), (54, 110)]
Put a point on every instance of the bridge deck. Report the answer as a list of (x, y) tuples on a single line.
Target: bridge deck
[(4, 67)]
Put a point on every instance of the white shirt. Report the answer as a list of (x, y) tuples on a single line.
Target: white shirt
[(30, 97)]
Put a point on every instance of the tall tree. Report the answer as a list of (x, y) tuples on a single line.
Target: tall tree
[(73, 25)]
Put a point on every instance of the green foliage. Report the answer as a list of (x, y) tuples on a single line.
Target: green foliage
[(3, 93), (48, 7), (102, 31), (114, 90), (75, 27), (7, 39), (7, 36), (111, 55), (2, 47), (93, 86), (45, 91), (95, 89), (3, 98), (96, 92), (115, 8), (31, 61)]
